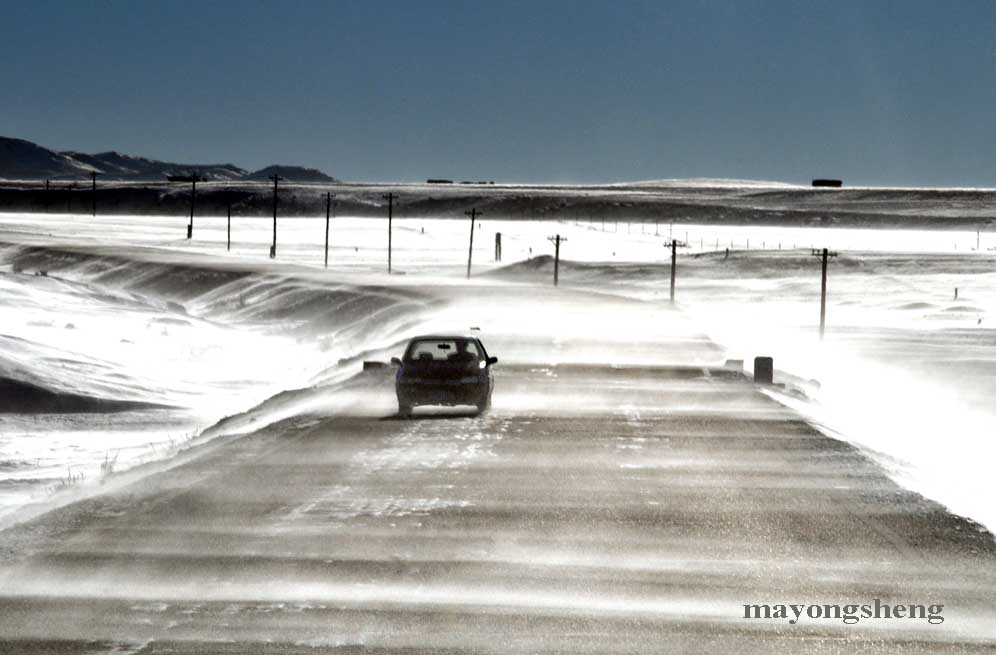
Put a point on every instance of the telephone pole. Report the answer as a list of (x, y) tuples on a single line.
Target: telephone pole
[(674, 262), (556, 257), (193, 199), (473, 213), (825, 255), (193, 179), (328, 213), (93, 195), (273, 247), (229, 243), (390, 217)]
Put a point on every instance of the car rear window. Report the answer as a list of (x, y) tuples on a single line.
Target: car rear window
[(442, 350)]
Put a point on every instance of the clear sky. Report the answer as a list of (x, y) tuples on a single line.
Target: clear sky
[(873, 91)]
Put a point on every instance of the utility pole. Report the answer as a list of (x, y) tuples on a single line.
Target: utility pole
[(273, 248), (390, 217), (556, 257), (328, 213), (193, 179), (825, 255), (93, 177), (229, 245), (193, 199), (473, 213), (674, 262)]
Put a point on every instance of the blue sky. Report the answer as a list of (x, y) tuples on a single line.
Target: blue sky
[(875, 92)]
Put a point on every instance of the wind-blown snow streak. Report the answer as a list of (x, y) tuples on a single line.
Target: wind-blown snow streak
[(102, 333), (906, 371)]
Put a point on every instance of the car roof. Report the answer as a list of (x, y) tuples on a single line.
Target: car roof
[(428, 337)]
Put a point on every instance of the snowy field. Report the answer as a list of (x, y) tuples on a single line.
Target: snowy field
[(130, 310)]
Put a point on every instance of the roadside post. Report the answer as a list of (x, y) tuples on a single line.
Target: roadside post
[(473, 213), (229, 239), (764, 370), (497, 246), (825, 255)]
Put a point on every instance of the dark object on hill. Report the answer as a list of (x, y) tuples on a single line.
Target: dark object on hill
[(438, 181), (828, 183)]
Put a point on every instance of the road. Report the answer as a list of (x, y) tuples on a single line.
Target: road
[(630, 509)]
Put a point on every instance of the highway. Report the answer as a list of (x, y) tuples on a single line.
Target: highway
[(595, 509)]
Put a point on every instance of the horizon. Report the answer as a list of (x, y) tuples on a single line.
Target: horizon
[(893, 95), (677, 181)]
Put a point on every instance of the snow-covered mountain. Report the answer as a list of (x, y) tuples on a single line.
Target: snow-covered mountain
[(24, 160), (292, 173), (117, 165), (21, 159)]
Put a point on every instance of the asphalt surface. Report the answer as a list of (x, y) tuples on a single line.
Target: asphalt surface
[(594, 510)]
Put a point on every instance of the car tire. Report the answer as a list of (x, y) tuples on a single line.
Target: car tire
[(404, 411), (484, 404)]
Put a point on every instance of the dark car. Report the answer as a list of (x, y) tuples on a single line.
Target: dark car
[(444, 370)]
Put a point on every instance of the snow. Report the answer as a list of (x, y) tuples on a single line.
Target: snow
[(131, 310)]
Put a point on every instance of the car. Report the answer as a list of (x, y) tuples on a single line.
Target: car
[(444, 370)]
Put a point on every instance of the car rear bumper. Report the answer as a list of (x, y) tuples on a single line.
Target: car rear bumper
[(441, 393)]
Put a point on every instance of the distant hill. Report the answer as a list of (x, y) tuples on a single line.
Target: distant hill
[(125, 167), (23, 160), (291, 174)]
